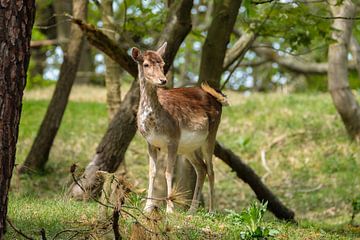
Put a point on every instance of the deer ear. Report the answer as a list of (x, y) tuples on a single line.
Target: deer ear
[(162, 49), (136, 54)]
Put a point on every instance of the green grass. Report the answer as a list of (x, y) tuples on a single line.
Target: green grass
[(314, 168)]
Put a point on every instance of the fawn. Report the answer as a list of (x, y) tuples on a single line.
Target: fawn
[(178, 121)]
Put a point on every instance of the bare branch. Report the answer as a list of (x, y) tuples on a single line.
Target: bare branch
[(241, 46), (98, 39), (18, 231)]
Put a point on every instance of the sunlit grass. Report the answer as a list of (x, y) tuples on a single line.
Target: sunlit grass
[(314, 167)]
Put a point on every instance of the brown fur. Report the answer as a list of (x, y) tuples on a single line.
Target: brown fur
[(190, 107), (177, 121)]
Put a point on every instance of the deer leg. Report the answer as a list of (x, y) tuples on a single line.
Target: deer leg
[(149, 206), (172, 150), (208, 150), (200, 170)]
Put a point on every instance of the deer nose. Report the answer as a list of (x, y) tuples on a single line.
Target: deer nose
[(162, 81)]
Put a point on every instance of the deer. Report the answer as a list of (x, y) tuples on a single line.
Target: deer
[(179, 121)]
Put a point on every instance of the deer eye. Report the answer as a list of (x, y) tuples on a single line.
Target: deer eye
[(146, 65)]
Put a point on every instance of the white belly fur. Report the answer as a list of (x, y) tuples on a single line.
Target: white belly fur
[(189, 141)]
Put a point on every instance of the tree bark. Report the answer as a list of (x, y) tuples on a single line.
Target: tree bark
[(62, 25), (218, 36), (16, 21), (250, 177), (292, 63), (241, 46), (111, 150), (343, 99), (113, 70), (39, 153), (355, 51)]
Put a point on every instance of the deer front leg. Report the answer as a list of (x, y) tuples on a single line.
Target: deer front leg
[(172, 150), (149, 206)]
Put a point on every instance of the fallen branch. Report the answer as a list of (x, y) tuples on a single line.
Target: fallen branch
[(18, 231), (250, 177)]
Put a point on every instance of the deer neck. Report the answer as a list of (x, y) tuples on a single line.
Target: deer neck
[(149, 100)]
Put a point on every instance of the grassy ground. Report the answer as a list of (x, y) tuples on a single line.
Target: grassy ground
[(296, 142)]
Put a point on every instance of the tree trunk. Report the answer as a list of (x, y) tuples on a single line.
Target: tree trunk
[(343, 99), (113, 70), (16, 21), (218, 36), (62, 25), (86, 66), (111, 150), (39, 153)]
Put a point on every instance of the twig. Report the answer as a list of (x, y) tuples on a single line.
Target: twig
[(263, 161), (68, 230), (72, 171), (231, 73), (281, 138), (18, 230), (43, 234), (115, 224), (311, 189)]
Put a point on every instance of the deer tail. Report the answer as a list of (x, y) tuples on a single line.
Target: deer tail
[(217, 94)]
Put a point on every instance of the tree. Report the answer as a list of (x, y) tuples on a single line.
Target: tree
[(39, 153), (113, 70), (343, 99), (16, 21)]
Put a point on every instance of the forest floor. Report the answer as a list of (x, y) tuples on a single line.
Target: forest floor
[(308, 162)]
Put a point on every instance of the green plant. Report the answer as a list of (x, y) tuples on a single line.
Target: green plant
[(252, 220), (356, 208)]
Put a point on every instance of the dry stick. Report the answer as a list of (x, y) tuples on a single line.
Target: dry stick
[(68, 230), (18, 230), (72, 170), (250, 177), (43, 234), (115, 224)]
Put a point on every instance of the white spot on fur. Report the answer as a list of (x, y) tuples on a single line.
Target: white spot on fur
[(144, 115)]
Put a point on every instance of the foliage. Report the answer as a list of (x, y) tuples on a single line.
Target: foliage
[(252, 219), (355, 208)]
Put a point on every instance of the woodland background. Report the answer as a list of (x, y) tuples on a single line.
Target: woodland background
[(290, 138)]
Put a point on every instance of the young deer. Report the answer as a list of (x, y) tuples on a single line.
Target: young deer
[(178, 121)]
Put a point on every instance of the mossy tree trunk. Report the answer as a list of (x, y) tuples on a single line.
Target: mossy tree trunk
[(343, 99)]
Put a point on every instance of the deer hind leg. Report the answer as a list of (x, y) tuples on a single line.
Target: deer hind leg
[(200, 169), (208, 150), (150, 203), (169, 173)]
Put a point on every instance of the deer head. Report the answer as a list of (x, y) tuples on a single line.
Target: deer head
[(151, 65)]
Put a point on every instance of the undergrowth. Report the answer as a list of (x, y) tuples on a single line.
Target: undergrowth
[(295, 143)]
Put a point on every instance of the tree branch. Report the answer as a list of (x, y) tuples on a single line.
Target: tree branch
[(292, 63), (250, 177), (241, 46), (114, 50)]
